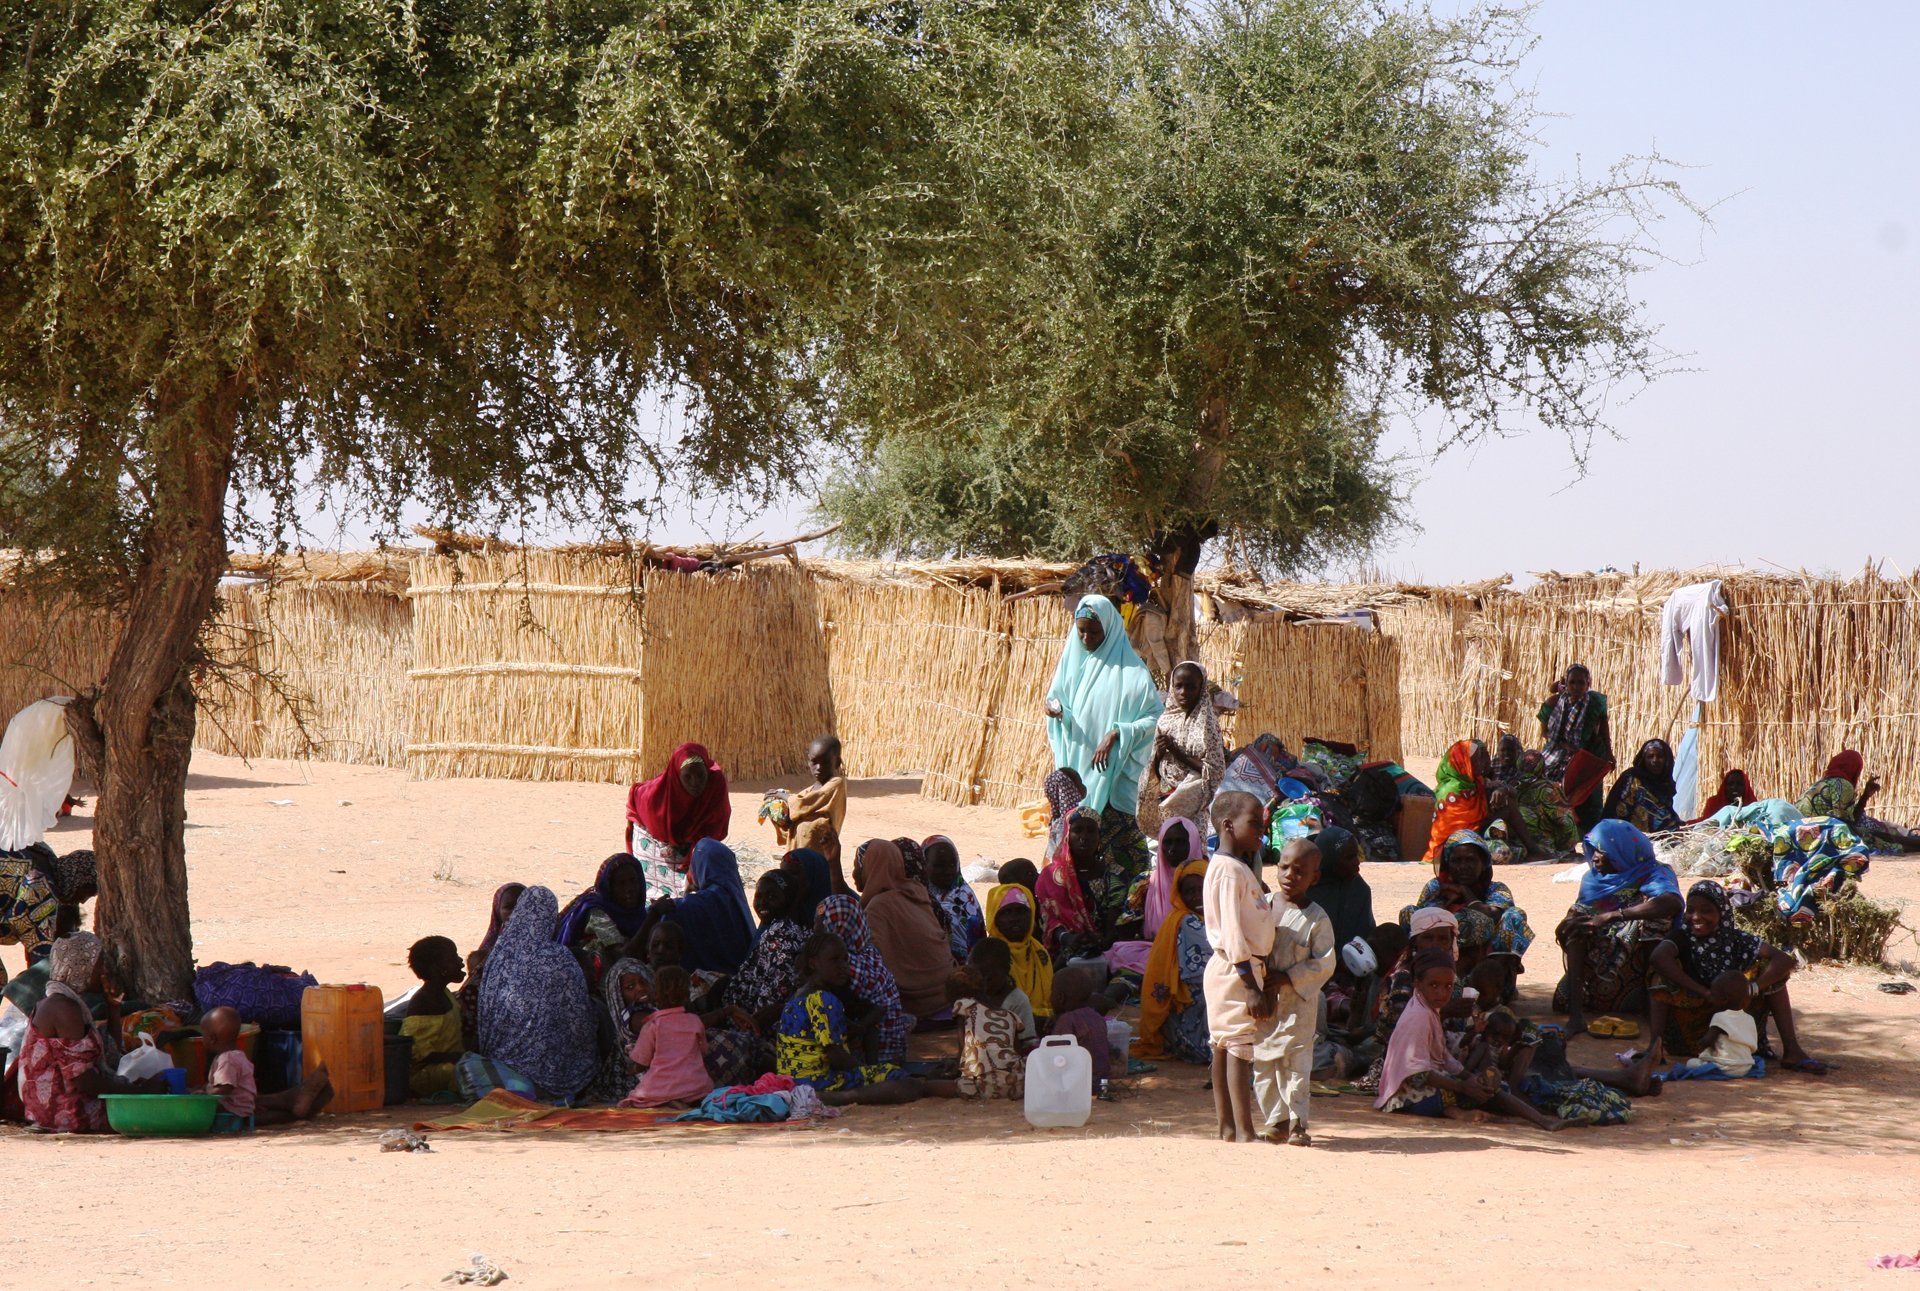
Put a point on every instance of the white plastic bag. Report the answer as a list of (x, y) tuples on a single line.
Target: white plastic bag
[(145, 1061), (36, 771)]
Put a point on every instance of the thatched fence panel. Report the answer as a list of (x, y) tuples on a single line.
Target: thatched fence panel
[(527, 665), (914, 671), (1017, 756), (737, 662), (48, 650), (314, 670), (1809, 667)]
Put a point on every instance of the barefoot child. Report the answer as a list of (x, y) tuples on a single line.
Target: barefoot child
[(823, 800), (1299, 965), (1240, 930), (822, 1042), (671, 1048), (433, 1017), (990, 1063), (230, 1075)]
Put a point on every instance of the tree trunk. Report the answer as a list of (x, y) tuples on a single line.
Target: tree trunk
[(140, 724), (1180, 549)]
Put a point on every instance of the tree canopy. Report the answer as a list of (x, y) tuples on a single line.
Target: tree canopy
[(1298, 219), (437, 251)]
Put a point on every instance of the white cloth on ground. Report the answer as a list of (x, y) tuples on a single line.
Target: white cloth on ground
[(1692, 613)]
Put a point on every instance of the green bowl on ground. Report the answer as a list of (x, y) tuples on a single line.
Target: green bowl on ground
[(161, 1115)]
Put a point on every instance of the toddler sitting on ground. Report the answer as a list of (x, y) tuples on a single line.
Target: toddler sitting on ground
[(230, 1075), (1075, 1015), (1731, 1035), (671, 1047), (990, 1064)]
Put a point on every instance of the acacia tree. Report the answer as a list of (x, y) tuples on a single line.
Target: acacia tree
[(424, 249), (1300, 216)]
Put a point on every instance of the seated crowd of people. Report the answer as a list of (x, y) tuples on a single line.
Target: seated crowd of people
[(1245, 932)]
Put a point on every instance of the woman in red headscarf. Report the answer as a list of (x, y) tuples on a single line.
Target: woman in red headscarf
[(668, 814), (1736, 790), (1840, 794)]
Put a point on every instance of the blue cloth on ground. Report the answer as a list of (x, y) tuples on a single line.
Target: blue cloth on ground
[(730, 1106)]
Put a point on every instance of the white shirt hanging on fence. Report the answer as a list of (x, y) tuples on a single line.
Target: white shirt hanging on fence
[(1692, 614)]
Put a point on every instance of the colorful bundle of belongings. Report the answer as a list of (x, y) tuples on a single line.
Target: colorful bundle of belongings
[(1331, 785)]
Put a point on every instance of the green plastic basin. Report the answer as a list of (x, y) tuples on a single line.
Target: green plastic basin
[(161, 1115)]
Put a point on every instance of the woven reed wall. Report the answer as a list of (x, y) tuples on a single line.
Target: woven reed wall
[(45, 651), (324, 674), (1809, 668), (915, 671), (737, 662), (1017, 756), (526, 666)]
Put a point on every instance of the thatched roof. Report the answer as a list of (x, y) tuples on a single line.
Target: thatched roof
[(383, 569)]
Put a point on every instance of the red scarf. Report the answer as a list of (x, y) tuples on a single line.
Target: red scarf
[(663, 807)]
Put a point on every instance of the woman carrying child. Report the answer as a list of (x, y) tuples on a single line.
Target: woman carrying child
[(1702, 945), (1489, 921), (601, 920), (1173, 1005)]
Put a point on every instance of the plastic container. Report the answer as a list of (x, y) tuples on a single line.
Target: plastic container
[(176, 1080), (1119, 1040), (276, 1061), (161, 1115), (399, 1068), (1059, 1084), (342, 1027)]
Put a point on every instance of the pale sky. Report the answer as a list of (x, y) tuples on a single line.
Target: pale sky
[(1791, 440)]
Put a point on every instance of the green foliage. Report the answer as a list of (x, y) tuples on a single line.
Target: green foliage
[(1293, 218), (438, 251)]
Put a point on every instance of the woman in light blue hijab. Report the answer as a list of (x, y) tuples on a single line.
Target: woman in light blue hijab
[(1102, 711)]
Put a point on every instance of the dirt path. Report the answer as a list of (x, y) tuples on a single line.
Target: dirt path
[(1785, 1181)]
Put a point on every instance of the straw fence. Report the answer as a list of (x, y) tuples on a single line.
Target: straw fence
[(582, 665)]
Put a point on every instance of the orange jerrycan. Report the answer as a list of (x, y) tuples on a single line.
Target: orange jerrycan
[(342, 1026)]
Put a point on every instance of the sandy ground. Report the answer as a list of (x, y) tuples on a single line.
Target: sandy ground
[(1783, 1182)]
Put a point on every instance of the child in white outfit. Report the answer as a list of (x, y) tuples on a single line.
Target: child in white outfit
[(1732, 1036), (1299, 965)]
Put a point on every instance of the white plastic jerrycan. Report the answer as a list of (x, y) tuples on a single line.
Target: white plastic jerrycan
[(1059, 1083)]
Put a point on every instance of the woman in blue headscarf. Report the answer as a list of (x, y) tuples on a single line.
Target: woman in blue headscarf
[(605, 917), (1628, 902), (715, 916), (1103, 710), (535, 1015)]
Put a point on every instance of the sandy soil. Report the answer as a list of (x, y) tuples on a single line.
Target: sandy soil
[(1783, 1182)]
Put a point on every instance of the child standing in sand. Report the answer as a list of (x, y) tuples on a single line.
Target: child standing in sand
[(823, 800), (1240, 930), (1298, 966)]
